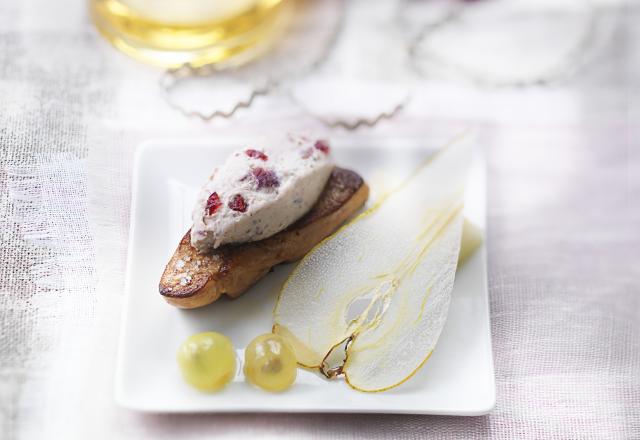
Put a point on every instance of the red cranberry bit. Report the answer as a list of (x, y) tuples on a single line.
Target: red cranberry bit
[(322, 146), (265, 178), (255, 154), (237, 203), (213, 203)]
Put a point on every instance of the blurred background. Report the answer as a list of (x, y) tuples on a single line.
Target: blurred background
[(549, 86)]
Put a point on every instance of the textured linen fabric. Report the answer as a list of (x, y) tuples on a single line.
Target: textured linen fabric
[(563, 238)]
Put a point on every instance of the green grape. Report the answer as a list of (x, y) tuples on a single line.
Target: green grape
[(270, 363), (207, 361)]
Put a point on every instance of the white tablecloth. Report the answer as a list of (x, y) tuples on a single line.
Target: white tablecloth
[(563, 237)]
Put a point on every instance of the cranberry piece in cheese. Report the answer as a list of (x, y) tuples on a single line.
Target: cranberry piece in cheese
[(265, 178), (255, 154), (322, 145), (213, 203), (238, 203)]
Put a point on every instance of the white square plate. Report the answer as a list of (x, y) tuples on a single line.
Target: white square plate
[(457, 379)]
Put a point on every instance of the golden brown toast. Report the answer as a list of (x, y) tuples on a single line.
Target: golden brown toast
[(192, 279)]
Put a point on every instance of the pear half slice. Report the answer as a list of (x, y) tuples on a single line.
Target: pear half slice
[(378, 290)]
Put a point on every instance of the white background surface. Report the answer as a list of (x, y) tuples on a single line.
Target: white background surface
[(563, 222)]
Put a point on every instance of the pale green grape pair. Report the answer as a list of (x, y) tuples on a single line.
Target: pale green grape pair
[(208, 362)]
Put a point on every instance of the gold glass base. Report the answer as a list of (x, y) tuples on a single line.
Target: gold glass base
[(225, 41)]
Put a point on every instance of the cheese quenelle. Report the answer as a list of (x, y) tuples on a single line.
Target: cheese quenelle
[(258, 192)]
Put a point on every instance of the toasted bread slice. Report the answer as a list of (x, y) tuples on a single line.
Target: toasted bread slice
[(192, 279)]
